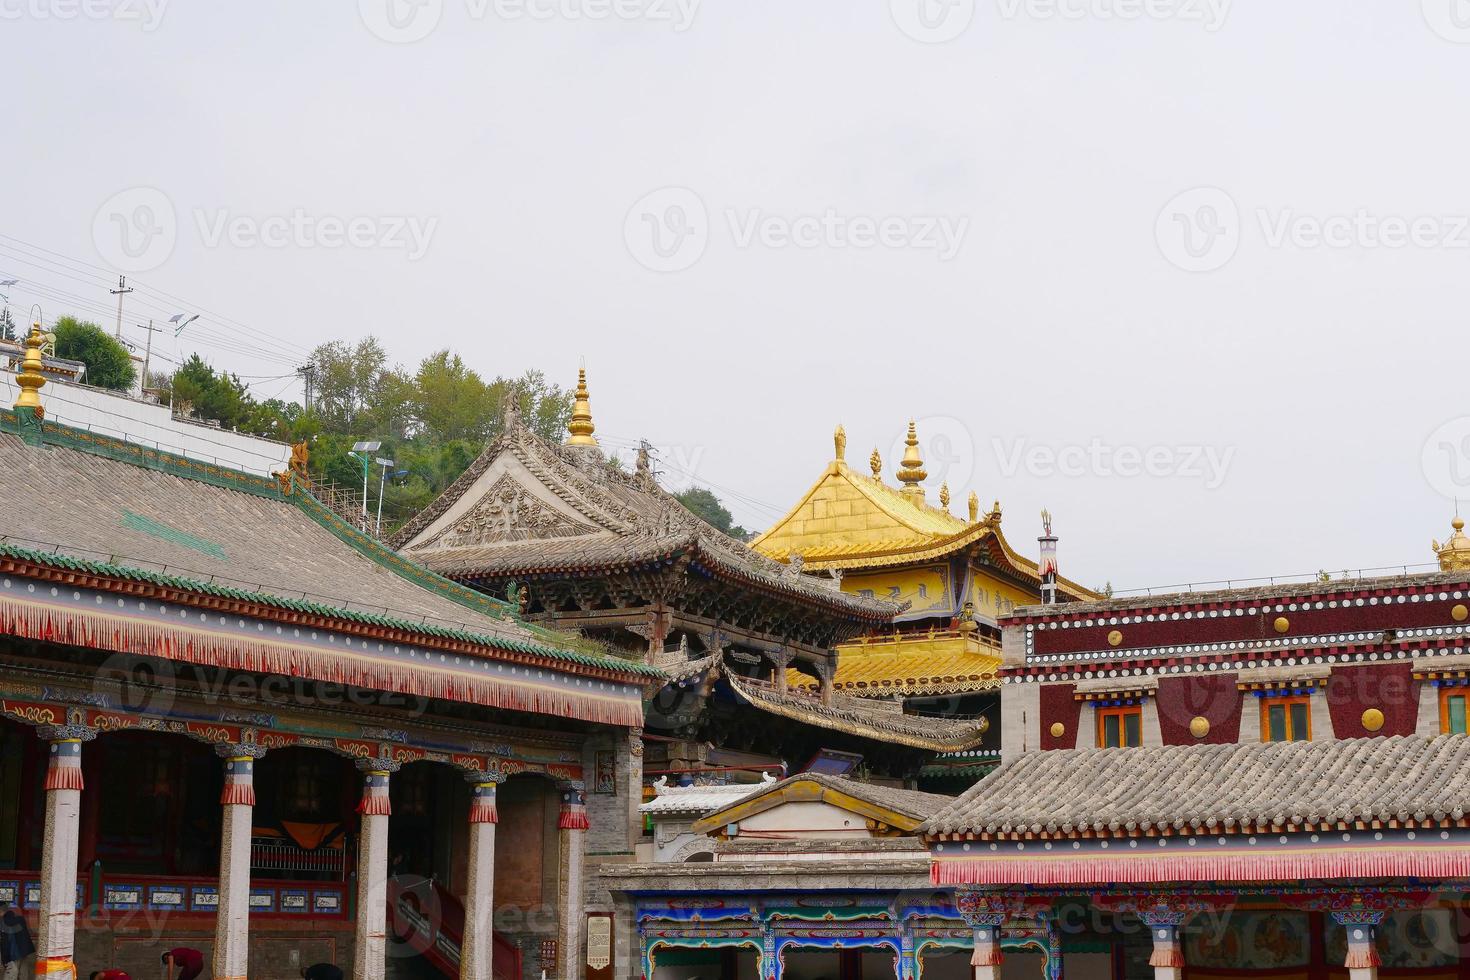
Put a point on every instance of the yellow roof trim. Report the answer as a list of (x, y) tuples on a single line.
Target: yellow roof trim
[(915, 663), (804, 791)]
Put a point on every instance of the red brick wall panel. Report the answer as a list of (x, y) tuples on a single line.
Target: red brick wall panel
[(1211, 696), (1059, 705), (1390, 688)]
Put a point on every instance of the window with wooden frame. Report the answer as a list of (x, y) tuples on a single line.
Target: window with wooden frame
[(1287, 718), (1452, 709), (1119, 726)]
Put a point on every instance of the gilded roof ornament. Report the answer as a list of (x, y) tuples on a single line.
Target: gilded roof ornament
[(944, 495), (1454, 554), (839, 441), (30, 378), (875, 462), (911, 469), (974, 507), (580, 426)]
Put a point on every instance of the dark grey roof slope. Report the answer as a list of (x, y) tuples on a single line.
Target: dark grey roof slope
[(1218, 788)]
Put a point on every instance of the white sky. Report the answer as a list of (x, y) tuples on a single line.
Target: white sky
[(1054, 137)]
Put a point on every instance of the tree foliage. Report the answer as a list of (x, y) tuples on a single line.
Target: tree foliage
[(107, 360), (706, 506)]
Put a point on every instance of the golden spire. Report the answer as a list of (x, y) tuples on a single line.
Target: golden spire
[(30, 378), (839, 441), (580, 426), (875, 462), (974, 507), (911, 468), (944, 495), (1454, 554)]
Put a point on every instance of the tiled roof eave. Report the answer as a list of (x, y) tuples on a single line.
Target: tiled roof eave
[(180, 590)]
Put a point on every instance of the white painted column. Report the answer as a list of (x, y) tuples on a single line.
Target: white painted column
[(479, 900), (370, 947), (55, 940), (985, 961), (232, 918), (572, 827), (1361, 926), (1167, 958)]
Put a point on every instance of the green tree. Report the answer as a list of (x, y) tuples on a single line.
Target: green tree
[(8, 329), (107, 360), (452, 402), (707, 507), (197, 390)]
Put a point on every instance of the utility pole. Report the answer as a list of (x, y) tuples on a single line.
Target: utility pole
[(122, 290), (308, 374), (147, 354)]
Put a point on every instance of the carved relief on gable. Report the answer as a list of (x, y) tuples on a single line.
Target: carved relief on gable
[(506, 512)]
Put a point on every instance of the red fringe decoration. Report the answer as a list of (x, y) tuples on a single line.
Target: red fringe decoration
[(1166, 956), (573, 820), (1362, 957), (375, 805), (238, 794), (101, 631), (987, 955), (63, 777), (483, 811), (1441, 861)]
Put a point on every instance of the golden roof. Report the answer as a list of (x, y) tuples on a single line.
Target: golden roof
[(580, 428), (933, 662), (1454, 554), (849, 520)]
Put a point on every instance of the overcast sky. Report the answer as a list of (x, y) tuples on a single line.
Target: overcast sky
[(1189, 273)]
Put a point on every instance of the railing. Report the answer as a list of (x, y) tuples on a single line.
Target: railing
[(431, 921), (898, 638), (283, 854)]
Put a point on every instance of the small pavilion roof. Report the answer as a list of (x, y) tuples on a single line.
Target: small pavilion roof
[(904, 809)]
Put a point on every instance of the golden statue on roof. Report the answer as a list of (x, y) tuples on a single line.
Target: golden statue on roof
[(1454, 554)]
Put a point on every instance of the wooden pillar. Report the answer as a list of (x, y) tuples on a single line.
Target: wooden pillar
[(572, 833), (780, 659), (479, 900), (55, 940), (984, 913), (827, 672), (1361, 926), (370, 946), (232, 918)]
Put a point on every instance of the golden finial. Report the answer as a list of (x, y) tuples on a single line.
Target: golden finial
[(580, 426), (875, 462), (944, 495), (1454, 554), (994, 515), (974, 507), (911, 469), (839, 440), (30, 378)]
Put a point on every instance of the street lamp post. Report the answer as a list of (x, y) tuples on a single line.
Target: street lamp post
[(386, 464), (362, 452)]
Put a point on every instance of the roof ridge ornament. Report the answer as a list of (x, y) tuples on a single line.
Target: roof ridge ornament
[(839, 443), (1454, 554), (974, 507), (875, 463), (581, 427), (911, 469)]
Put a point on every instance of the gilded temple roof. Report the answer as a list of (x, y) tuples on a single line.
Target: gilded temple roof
[(912, 665)]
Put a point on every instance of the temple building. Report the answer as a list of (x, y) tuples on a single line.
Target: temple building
[(577, 542), (228, 720), (956, 576), (1269, 782)]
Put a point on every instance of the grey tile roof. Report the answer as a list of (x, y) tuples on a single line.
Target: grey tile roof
[(1218, 788), (632, 520), (909, 802)]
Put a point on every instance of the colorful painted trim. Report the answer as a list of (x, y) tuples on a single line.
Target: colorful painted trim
[(101, 620), (1281, 857)]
